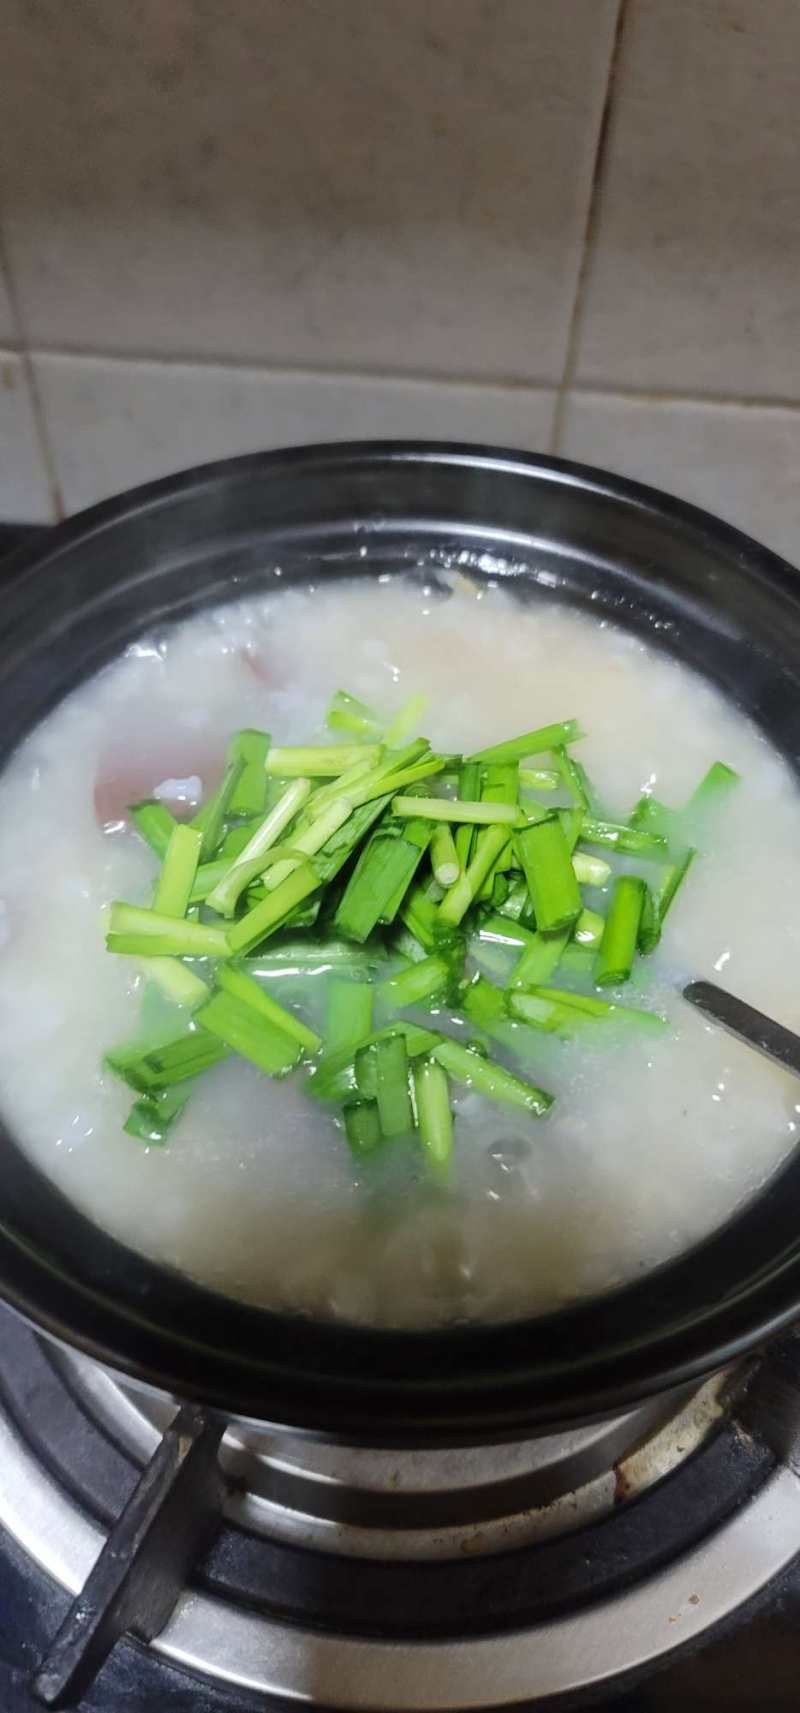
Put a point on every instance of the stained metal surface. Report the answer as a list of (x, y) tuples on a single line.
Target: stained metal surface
[(589, 1647), (376, 1503)]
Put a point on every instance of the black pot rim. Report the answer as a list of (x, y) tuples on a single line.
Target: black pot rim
[(460, 1383)]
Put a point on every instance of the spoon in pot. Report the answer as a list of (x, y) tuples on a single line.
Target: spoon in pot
[(746, 1023)]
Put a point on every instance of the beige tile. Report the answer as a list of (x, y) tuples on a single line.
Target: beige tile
[(114, 423), (694, 279), (741, 463), (24, 491), (370, 184), (8, 330)]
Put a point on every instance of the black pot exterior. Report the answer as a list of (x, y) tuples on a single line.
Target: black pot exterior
[(702, 590)]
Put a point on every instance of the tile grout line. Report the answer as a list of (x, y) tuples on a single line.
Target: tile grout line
[(22, 350), (589, 233)]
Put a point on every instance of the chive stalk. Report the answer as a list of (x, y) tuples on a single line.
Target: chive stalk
[(539, 779), (618, 945), (236, 982), (154, 823), (262, 921), (249, 794), (252, 1036), (177, 982), (211, 817), (323, 761), (469, 786), (635, 841), (444, 856), (603, 1009), (590, 870), (420, 981), (548, 870), (540, 959), (379, 882), (178, 870), (457, 901), (362, 1126), (158, 935), (434, 1115), (152, 1116), (392, 1090), (488, 1078), (452, 809), (348, 1013), (573, 777), (347, 714), (405, 720), (537, 742), (148, 1070), (225, 895)]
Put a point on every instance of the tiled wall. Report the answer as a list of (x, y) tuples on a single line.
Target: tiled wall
[(570, 225)]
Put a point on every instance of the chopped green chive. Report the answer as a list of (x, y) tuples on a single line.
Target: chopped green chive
[(362, 1126), (152, 1116), (545, 858), (325, 761), (167, 936), (392, 1090), (537, 742), (452, 809), (155, 824), (457, 901), (264, 854), (540, 958), (179, 984), (267, 916), (434, 1116), (618, 945), (225, 895), (469, 788), (175, 882), (603, 1009), (378, 883), (444, 857), (574, 778), (235, 981), (539, 779), (635, 841), (404, 722), (211, 817), (247, 1033), (590, 870), (348, 1013), (420, 981), (249, 794), (488, 1078), (588, 930), (347, 714), (151, 1069)]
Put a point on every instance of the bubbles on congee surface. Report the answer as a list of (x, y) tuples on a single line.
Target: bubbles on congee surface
[(649, 1145)]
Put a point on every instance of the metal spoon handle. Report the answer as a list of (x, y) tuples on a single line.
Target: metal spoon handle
[(745, 1022)]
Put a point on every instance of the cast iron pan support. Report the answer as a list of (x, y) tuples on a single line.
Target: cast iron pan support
[(168, 1521)]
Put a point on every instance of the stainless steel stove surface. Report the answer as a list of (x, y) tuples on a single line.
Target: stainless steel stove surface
[(508, 1576), (636, 1564)]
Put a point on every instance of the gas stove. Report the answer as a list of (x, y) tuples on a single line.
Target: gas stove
[(257, 1569), (155, 1558)]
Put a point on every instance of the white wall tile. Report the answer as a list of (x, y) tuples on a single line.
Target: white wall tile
[(114, 423), (693, 285), (371, 184), (743, 463), (24, 491)]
